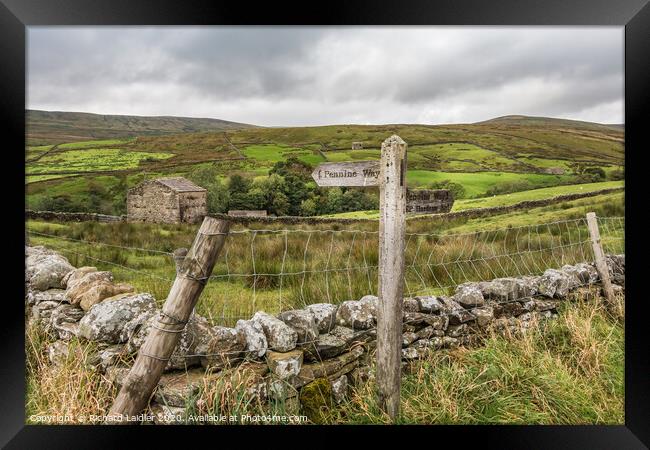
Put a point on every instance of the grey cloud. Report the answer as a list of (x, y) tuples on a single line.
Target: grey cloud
[(319, 75)]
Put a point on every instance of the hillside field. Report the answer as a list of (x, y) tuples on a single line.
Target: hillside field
[(507, 155)]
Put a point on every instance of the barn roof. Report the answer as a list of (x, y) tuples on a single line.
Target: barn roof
[(180, 184)]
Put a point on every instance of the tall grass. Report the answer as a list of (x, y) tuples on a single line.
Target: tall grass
[(566, 371), (276, 268), (70, 392)]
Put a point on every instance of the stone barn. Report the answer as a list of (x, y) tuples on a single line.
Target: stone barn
[(167, 200), (357, 145)]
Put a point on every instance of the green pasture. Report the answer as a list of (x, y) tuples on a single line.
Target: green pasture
[(92, 160)]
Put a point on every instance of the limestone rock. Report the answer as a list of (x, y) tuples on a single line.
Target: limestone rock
[(411, 305), (280, 336), (285, 365), (437, 322), (75, 275), (457, 330), (50, 295), (325, 347), (45, 269), (411, 353), (105, 321), (63, 320), (57, 353), (408, 338), (484, 315), (340, 389), (224, 347), (303, 322), (585, 273), (506, 289), (89, 288), (253, 332), (429, 304), (110, 356), (469, 295), (359, 314), (556, 283), (330, 368), (44, 309), (324, 315)]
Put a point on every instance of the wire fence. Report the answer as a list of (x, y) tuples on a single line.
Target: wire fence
[(276, 270)]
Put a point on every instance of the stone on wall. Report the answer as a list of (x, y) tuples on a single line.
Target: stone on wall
[(45, 269), (280, 336), (222, 348), (50, 295), (340, 389), (429, 304), (105, 321), (285, 365), (469, 295), (303, 322), (556, 283), (324, 315), (358, 314), (326, 346), (253, 332)]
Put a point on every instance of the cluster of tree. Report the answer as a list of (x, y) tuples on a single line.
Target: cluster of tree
[(288, 191), (592, 174)]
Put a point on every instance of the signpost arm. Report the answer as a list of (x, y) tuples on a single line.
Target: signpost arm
[(392, 223)]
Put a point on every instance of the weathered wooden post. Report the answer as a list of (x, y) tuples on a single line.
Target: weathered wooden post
[(164, 336), (392, 223), (599, 255), (390, 175)]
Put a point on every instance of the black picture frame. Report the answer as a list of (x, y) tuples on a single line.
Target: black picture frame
[(16, 15)]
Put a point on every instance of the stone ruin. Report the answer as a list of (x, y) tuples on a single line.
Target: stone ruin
[(284, 355)]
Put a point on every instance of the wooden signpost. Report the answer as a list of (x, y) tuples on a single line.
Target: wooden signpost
[(390, 175), (359, 174)]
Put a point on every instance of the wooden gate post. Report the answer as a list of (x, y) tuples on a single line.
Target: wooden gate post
[(392, 223), (165, 334), (599, 255)]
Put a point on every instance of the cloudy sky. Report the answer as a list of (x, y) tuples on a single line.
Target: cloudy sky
[(295, 76)]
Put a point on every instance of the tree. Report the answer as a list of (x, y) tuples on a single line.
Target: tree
[(457, 189), (238, 184), (218, 194), (118, 194), (308, 207)]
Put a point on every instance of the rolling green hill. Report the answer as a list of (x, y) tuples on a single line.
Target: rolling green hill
[(53, 127), (506, 154)]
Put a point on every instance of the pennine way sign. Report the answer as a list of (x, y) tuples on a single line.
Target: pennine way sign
[(362, 173)]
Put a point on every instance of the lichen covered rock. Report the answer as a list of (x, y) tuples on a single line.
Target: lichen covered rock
[(45, 269), (105, 321), (324, 315), (280, 336)]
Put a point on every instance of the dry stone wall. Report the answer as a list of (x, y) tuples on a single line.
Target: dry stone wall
[(284, 356)]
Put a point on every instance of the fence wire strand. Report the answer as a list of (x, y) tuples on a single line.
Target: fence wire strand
[(285, 269)]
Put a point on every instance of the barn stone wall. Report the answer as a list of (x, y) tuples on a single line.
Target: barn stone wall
[(152, 202), (193, 206)]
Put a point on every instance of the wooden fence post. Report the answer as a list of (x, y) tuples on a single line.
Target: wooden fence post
[(164, 336), (599, 255), (392, 223)]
